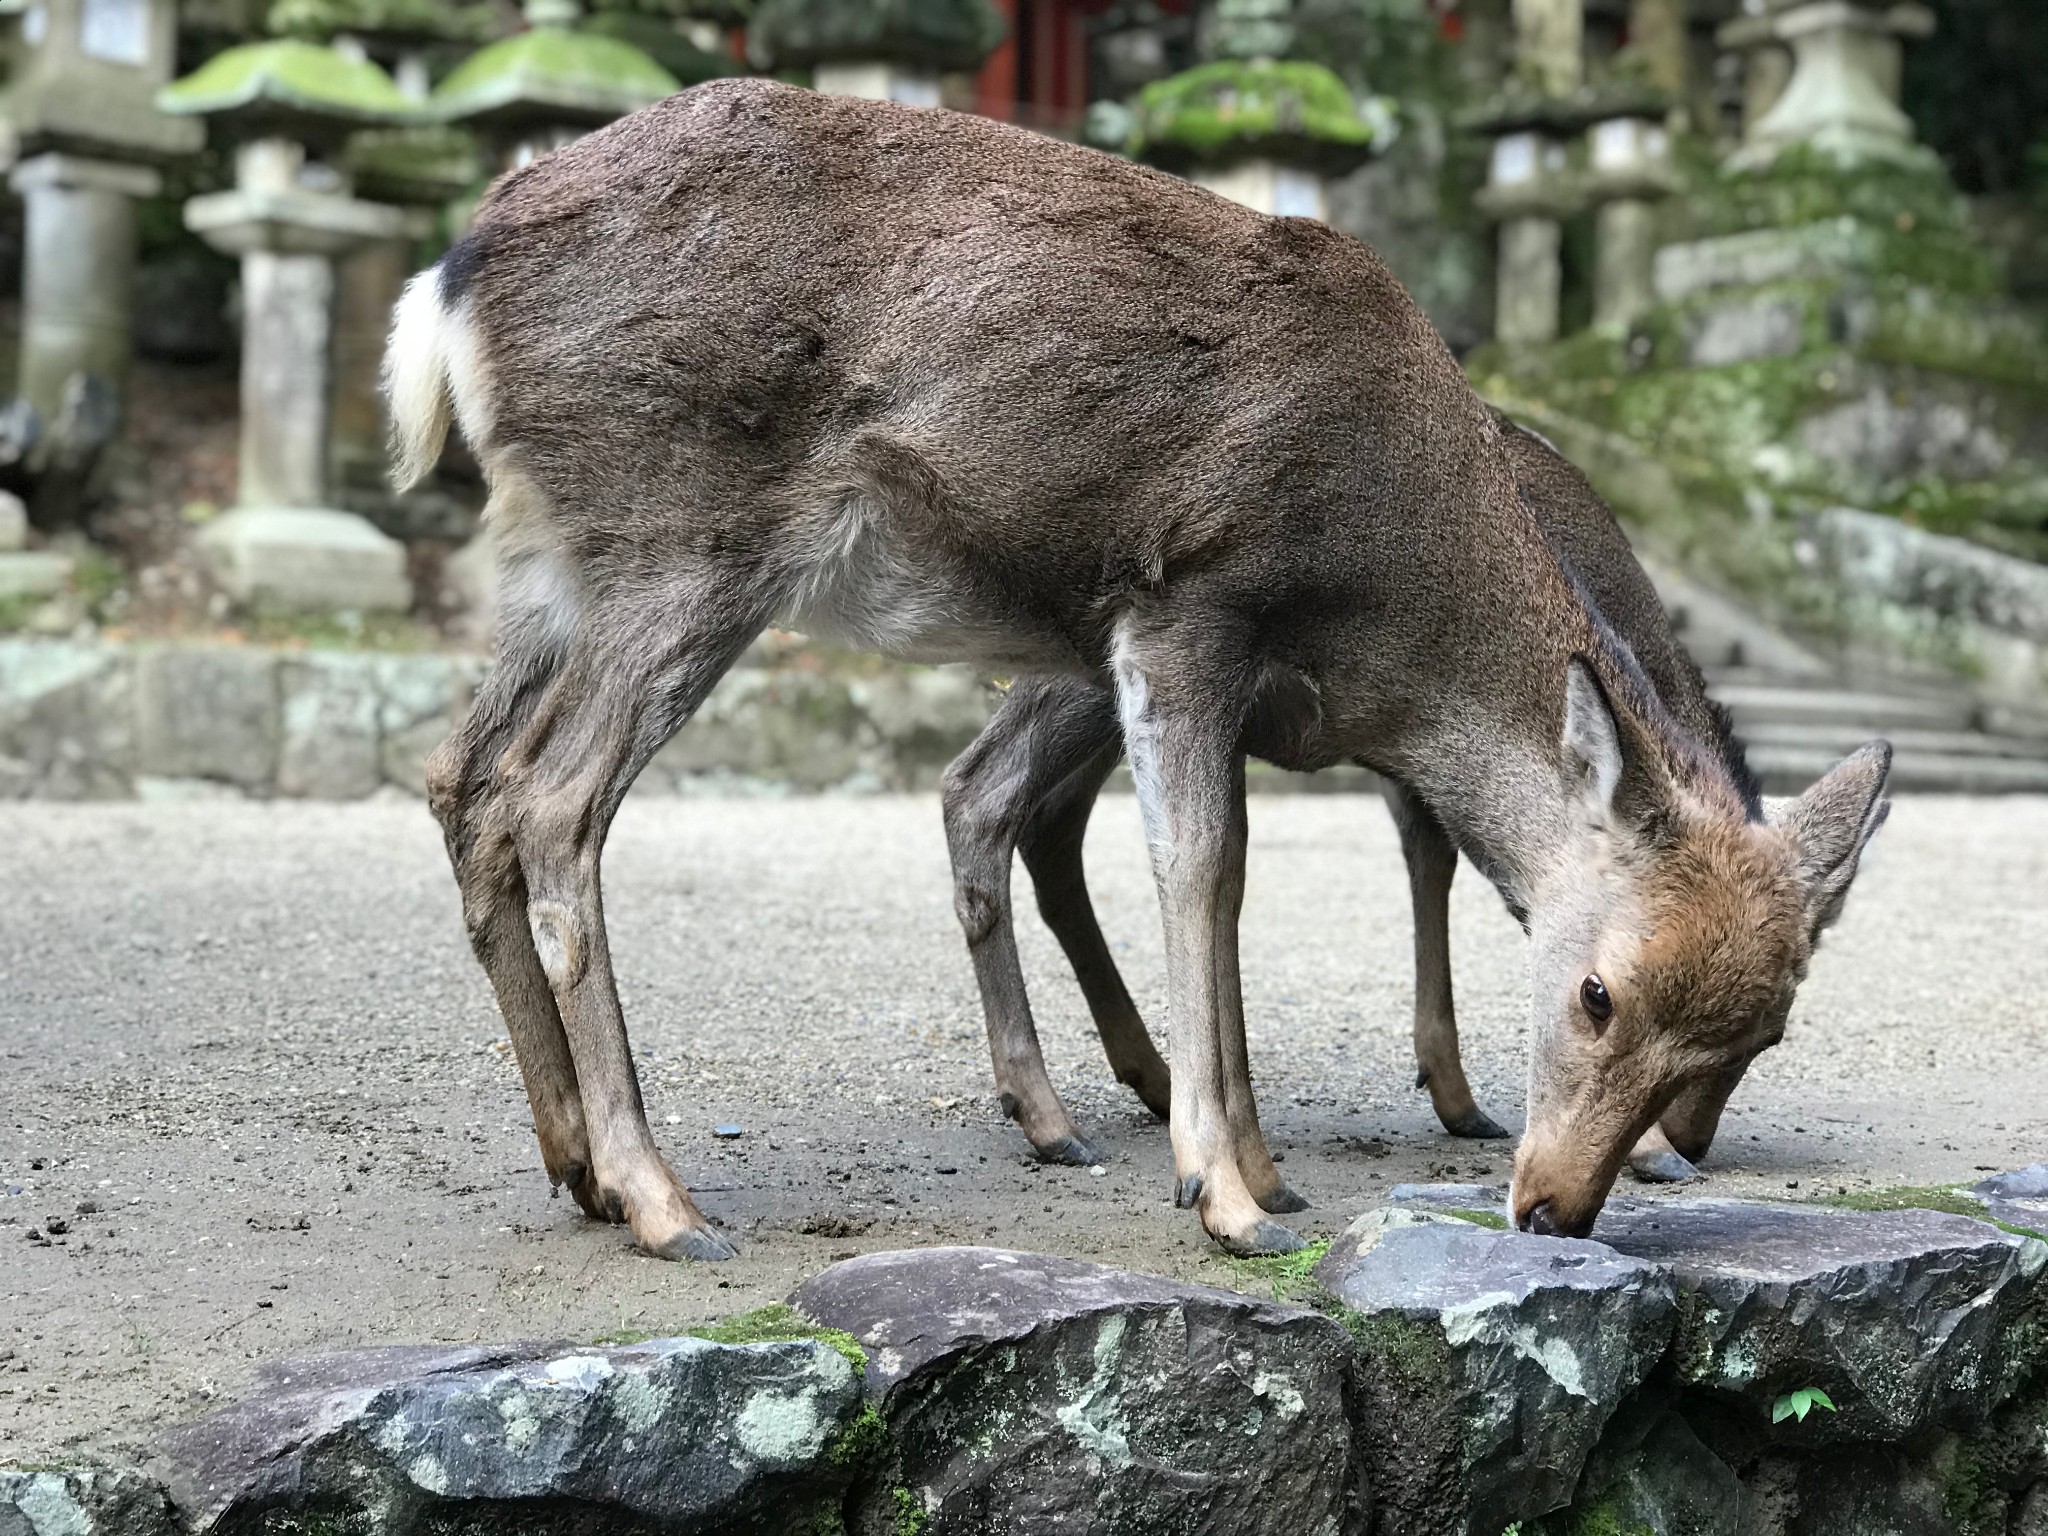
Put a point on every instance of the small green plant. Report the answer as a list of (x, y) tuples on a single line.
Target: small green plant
[(911, 1517), (1290, 1276), (1798, 1404)]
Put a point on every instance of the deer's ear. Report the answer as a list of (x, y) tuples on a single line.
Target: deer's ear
[(1592, 740), (1830, 826)]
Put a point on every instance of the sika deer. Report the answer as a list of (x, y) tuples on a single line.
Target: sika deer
[(1029, 781), (946, 389)]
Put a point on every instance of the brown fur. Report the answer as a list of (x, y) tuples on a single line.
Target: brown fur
[(955, 391)]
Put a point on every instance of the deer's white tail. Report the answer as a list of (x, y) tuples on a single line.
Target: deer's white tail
[(430, 376)]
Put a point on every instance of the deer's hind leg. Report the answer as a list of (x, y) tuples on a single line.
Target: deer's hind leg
[(465, 794), (1432, 865), (1044, 752)]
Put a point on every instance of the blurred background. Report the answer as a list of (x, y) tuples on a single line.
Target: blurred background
[(1770, 271)]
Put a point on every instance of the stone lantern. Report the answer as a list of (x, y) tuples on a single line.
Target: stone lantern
[(1628, 170), (1252, 126), (1530, 188), (1842, 99), (420, 167), (79, 109), (536, 91), (288, 217), (889, 50)]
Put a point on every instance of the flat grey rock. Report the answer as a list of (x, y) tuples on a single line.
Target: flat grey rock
[(1032, 1394), (2019, 1198), (1904, 1318), (1493, 1360), (673, 1435), (82, 1501)]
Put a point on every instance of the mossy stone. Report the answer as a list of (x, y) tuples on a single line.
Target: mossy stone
[(289, 87), (432, 20), (552, 74), (1232, 109), (938, 35)]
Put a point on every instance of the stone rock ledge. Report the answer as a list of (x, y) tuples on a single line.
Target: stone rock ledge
[(1446, 1376)]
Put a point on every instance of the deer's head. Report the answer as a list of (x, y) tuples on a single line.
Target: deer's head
[(1668, 941)]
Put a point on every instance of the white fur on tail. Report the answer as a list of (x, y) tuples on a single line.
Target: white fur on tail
[(416, 380), (431, 369)]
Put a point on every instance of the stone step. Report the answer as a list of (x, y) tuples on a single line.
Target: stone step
[(1755, 704), (1844, 738), (1788, 770)]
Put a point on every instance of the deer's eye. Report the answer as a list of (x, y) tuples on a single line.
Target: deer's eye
[(1593, 996)]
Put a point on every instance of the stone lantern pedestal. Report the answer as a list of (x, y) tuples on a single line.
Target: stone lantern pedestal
[(1290, 123), (78, 275), (878, 81), (82, 131), (288, 218), (1530, 193), (1629, 171), (874, 48), (283, 546), (1842, 97)]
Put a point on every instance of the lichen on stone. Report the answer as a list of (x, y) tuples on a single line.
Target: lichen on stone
[(287, 76)]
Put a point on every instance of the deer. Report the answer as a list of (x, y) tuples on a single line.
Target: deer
[(1028, 783), (942, 389)]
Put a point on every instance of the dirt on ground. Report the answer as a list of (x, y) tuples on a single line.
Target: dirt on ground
[(255, 1098)]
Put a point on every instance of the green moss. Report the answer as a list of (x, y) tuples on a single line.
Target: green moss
[(1236, 107), (938, 35), (553, 70), (1412, 1355), (911, 1517), (1599, 1517), (1289, 1276), (1493, 1219), (779, 1323), (426, 164), (266, 79), (1948, 1198), (862, 1441)]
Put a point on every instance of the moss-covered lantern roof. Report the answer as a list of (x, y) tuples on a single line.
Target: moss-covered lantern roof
[(1231, 109), (551, 73), (936, 35), (289, 88), (661, 42)]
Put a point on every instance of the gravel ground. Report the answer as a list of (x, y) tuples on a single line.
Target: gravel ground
[(247, 1063)]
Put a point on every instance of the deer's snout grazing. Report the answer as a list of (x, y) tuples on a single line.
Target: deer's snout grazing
[(1669, 956)]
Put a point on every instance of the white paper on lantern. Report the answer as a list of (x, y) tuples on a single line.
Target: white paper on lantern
[(115, 30)]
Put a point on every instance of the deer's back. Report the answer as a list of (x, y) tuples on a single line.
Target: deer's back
[(1062, 376)]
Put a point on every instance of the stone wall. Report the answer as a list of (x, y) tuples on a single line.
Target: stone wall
[(95, 720), (1697, 1368)]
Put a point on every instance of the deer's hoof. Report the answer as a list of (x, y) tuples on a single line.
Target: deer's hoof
[(1661, 1168), (1281, 1201), (1072, 1151), (706, 1245), (1187, 1194), (1264, 1240), (1475, 1124)]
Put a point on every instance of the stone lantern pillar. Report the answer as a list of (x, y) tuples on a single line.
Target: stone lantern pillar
[(540, 89), (1843, 94), (1529, 189), (1530, 192), (80, 108), (1628, 172), (1293, 124), (875, 48), (288, 217)]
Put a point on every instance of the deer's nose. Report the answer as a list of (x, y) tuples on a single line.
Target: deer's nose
[(1540, 1219)]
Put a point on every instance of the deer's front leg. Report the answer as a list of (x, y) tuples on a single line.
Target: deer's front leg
[(1432, 865), (1181, 741), (1685, 1131)]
